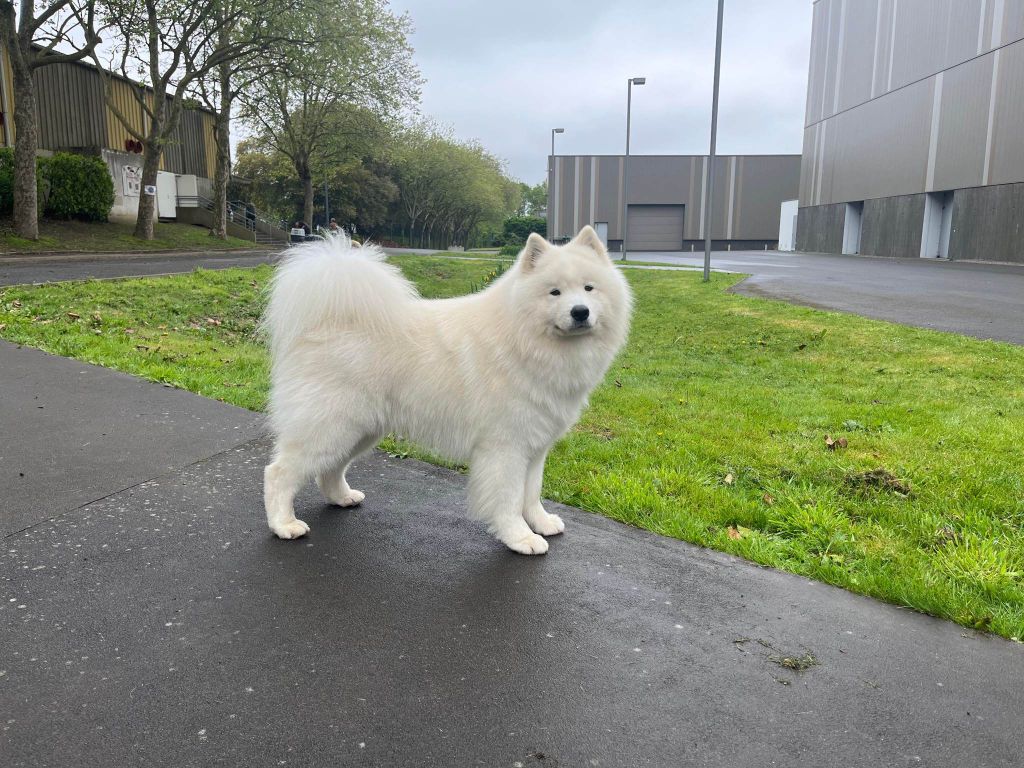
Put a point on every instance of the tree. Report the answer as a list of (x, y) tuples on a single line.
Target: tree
[(33, 37), (534, 199), (362, 58), (164, 47), (219, 90)]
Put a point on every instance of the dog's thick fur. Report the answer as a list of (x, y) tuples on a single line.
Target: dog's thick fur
[(492, 379)]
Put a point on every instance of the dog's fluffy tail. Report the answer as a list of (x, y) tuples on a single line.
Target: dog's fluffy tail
[(332, 285)]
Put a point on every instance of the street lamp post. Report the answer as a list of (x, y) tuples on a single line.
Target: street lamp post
[(709, 188), (551, 184), (625, 165)]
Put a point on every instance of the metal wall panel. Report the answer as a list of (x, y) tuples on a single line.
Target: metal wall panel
[(70, 108), (763, 184), (819, 53), (855, 52), (960, 147), (1006, 161), (862, 49)]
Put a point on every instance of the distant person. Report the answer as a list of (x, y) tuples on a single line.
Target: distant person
[(333, 227)]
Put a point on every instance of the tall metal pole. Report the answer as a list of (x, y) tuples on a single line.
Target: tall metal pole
[(625, 164), (625, 169), (710, 187)]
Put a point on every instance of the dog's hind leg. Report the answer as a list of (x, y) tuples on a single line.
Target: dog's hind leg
[(282, 479), (295, 461), (533, 511), (332, 482), (497, 480)]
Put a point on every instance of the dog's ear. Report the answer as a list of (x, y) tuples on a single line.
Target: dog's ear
[(533, 251), (588, 238)]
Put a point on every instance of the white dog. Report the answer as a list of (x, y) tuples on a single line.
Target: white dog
[(492, 379)]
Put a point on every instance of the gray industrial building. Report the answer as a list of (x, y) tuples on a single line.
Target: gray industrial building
[(666, 195), (914, 133)]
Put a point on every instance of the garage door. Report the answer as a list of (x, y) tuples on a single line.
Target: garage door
[(655, 227)]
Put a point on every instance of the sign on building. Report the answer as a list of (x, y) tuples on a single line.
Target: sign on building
[(131, 181)]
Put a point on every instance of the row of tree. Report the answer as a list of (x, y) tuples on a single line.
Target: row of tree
[(412, 182), (313, 79)]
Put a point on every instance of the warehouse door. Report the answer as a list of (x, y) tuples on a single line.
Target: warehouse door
[(655, 227)]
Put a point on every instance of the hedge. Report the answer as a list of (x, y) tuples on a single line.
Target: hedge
[(70, 186), (517, 228)]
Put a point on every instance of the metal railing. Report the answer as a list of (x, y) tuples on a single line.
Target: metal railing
[(239, 214)]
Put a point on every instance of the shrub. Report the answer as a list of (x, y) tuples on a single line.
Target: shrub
[(510, 250), (80, 187), (517, 228), (6, 180)]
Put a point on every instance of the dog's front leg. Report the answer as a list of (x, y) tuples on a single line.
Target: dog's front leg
[(497, 480), (534, 513)]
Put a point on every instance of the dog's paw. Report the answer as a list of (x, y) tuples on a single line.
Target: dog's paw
[(531, 544), (292, 529), (350, 499), (546, 524)]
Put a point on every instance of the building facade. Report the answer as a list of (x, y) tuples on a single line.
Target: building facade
[(666, 196), (74, 116), (914, 131)]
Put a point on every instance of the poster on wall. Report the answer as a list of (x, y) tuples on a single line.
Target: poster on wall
[(131, 178)]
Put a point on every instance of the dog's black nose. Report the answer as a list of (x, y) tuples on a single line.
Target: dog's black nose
[(580, 313)]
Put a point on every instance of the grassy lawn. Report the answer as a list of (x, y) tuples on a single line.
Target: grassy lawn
[(111, 237), (880, 458)]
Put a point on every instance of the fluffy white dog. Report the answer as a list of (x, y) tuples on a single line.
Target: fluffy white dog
[(492, 379)]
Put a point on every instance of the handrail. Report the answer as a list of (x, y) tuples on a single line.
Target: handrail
[(237, 213)]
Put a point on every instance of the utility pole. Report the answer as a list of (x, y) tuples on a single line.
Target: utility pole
[(710, 187)]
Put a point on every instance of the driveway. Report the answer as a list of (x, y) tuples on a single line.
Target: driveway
[(972, 298)]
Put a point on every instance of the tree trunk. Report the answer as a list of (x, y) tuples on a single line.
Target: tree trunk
[(222, 174), (307, 199), (147, 203), (26, 141), (222, 131)]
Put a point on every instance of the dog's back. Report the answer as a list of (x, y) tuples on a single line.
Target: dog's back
[(332, 285)]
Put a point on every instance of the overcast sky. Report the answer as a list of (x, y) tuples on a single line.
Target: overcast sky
[(505, 73)]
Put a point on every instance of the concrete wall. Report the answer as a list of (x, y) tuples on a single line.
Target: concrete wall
[(748, 191), (892, 226), (819, 229), (988, 224)]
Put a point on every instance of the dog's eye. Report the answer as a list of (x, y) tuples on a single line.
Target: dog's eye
[(555, 292), (588, 287)]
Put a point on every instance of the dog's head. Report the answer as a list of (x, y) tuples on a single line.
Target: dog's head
[(572, 291)]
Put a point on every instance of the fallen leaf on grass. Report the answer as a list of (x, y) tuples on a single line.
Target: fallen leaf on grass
[(768, 499), (834, 443), (74, 315), (729, 479), (737, 532)]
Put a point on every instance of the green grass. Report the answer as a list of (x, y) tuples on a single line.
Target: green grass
[(112, 237), (711, 427)]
